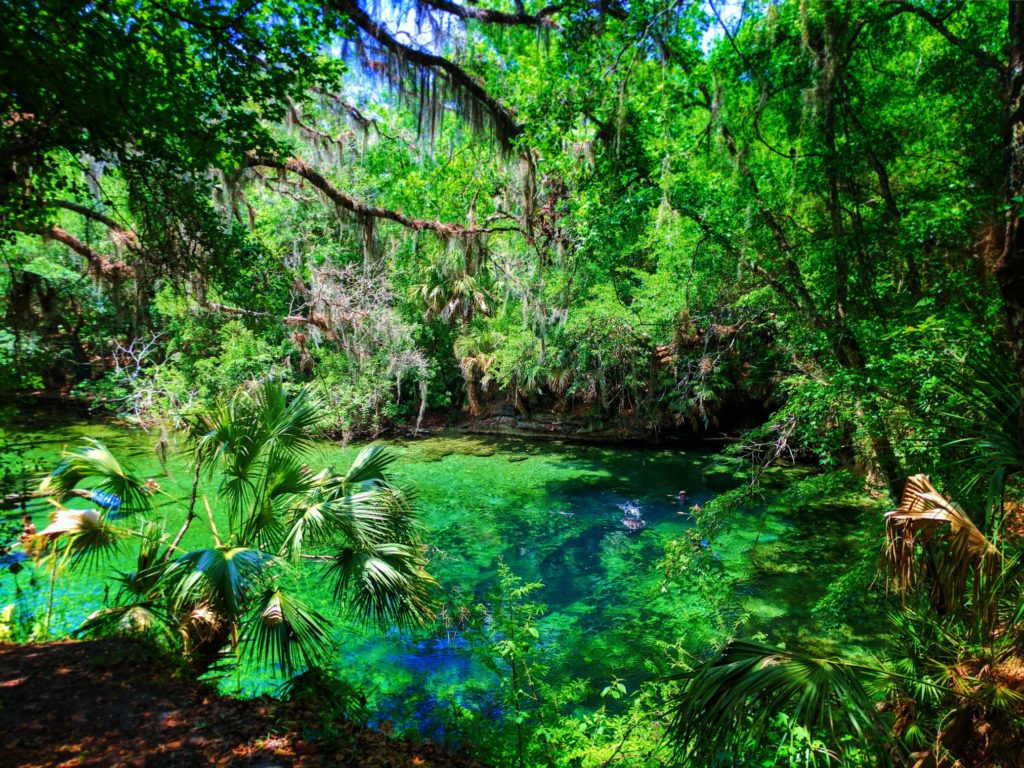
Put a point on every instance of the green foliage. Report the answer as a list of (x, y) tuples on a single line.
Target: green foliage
[(691, 224), (730, 704), (237, 589)]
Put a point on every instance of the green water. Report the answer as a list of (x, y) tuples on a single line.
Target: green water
[(553, 513)]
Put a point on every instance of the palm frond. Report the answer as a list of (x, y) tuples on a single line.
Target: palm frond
[(377, 516), (134, 619), (386, 585), (728, 705), (212, 434), (308, 525), (370, 467), (930, 538), (222, 577), (285, 630), (83, 534), (286, 476), (334, 696), (149, 565), (287, 422), (95, 462)]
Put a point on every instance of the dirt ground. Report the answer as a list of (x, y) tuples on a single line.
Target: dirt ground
[(112, 703)]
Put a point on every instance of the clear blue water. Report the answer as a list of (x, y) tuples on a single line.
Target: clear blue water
[(552, 512)]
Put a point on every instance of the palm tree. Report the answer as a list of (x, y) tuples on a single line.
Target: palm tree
[(237, 590), (476, 350), (457, 286), (731, 705), (950, 688)]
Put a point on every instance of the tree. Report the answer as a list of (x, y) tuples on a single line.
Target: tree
[(238, 589), (948, 688)]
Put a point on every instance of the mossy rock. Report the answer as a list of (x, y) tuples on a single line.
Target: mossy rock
[(439, 448)]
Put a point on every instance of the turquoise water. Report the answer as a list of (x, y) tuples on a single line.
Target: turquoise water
[(553, 513)]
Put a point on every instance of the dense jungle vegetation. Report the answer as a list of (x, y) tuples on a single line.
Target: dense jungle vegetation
[(792, 223)]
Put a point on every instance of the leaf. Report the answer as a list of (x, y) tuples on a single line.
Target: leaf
[(94, 461), (731, 701), (223, 577), (285, 630)]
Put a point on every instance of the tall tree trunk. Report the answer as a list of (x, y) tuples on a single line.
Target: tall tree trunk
[(1009, 269), (847, 349)]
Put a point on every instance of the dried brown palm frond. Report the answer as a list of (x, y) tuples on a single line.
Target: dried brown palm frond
[(84, 535), (932, 543)]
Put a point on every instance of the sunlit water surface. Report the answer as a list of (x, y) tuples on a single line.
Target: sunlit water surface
[(553, 513)]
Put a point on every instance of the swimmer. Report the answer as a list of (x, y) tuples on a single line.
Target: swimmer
[(28, 529), (151, 486)]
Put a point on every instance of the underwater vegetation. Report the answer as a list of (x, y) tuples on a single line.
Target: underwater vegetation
[(506, 521)]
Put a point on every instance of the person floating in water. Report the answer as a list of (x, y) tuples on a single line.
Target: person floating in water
[(109, 500), (633, 518), (28, 529), (681, 498), (151, 486)]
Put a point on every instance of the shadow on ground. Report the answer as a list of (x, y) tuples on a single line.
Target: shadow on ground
[(112, 703)]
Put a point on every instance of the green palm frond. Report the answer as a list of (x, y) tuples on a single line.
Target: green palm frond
[(286, 477), (149, 564), (239, 490), (213, 433), (288, 422), (386, 585), (370, 467), (335, 696), (378, 516), (728, 705), (222, 577), (265, 528), (94, 462), (308, 524), (142, 582), (285, 630), (362, 520), (988, 398)]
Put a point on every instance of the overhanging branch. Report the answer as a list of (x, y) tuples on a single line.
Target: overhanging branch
[(983, 57), (100, 265), (504, 122), (543, 17), (301, 168), (126, 236)]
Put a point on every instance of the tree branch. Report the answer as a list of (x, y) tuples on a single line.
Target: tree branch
[(100, 265), (506, 127), (520, 17), (301, 168), (128, 237), (983, 57)]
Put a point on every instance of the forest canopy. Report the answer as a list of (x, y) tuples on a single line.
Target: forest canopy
[(792, 224), (656, 217)]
